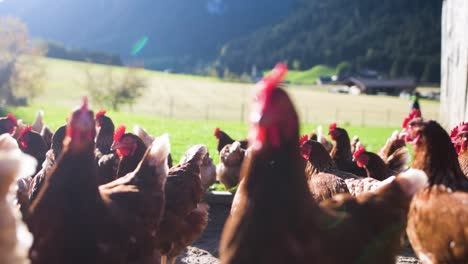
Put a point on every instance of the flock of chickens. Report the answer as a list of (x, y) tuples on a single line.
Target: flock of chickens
[(93, 193)]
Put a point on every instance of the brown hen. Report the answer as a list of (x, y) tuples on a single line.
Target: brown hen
[(390, 160), (147, 139), (127, 151), (224, 139), (55, 151), (322, 185), (185, 217), (341, 151), (230, 161), (276, 219), (438, 216), (320, 162), (75, 222)]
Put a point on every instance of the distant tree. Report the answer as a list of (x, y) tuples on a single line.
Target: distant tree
[(112, 90), (426, 75), (21, 74), (395, 69)]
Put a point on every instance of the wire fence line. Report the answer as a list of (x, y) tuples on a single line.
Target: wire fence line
[(175, 108)]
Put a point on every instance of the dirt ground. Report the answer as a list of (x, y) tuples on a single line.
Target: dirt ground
[(205, 249)]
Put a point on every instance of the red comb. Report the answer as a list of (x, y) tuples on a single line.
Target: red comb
[(303, 139), (216, 131), (454, 132), (12, 118), (359, 151), (100, 113), (24, 131), (276, 76), (414, 113), (119, 132), (332, 127), (462, 127)]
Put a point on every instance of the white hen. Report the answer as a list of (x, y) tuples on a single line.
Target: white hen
[(15, 239)]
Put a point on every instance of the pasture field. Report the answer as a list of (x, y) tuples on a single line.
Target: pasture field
[(190, 107), (202, 98)]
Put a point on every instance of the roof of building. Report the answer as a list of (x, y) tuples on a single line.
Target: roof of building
[(364, 83)]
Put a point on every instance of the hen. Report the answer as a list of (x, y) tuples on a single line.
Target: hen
[(105, 133), (15, 239), (139, 199), (107, 159), (438, 216), (230, 161), (276, 219), (391, 161), (8, 124), (207, 168), (55, 151), (322, 185), (129, 149), (147, 139), (33, 144), (75, 222), (320, 162), (224, 139), (459, 136), (341, 152), (185, 217), (65, 217), (395, 153)]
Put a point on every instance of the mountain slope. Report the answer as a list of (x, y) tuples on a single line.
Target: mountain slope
[(179, 32), (396, 37)]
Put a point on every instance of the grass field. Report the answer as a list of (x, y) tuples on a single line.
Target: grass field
[(190, 107)]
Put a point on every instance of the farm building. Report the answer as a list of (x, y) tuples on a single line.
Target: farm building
[(454, 79), (374, 86)]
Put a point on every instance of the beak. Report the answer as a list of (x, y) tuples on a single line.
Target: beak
[(115, 145)]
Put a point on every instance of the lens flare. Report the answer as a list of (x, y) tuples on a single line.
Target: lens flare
[(139, 45)]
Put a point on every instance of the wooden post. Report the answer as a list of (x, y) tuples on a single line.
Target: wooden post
[(454, 72)]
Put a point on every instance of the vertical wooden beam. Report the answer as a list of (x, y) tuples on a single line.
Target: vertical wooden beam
[(454, 72)]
